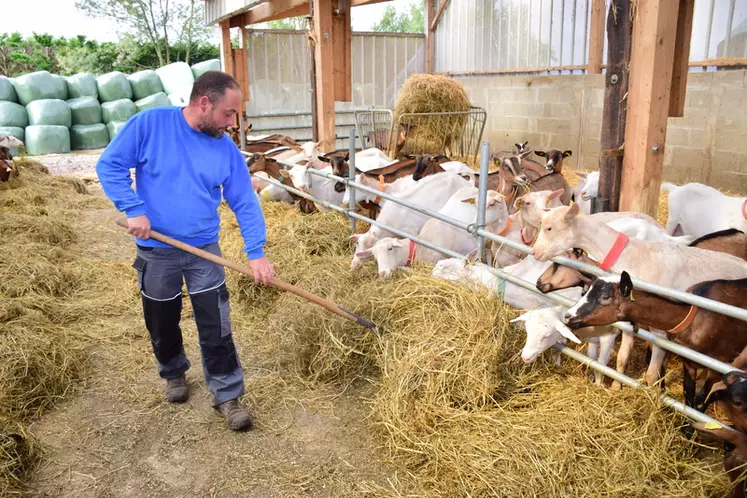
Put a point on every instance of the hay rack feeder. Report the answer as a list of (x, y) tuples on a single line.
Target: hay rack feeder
[(455, 134)]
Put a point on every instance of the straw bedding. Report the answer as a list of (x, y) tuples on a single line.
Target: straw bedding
[(454, 405)]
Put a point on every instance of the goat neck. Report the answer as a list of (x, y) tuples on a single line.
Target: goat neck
[(595, 238), (651, 311)]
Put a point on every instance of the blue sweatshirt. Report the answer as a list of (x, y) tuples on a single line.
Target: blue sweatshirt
[(179, 174)]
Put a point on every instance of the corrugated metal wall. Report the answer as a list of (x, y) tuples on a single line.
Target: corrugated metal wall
[(280, 77), (215, 9), (494, 35)]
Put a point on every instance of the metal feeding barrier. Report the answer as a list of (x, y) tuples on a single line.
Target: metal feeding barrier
[(454, 134), (478, 230)]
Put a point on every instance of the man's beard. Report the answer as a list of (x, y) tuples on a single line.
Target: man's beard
[(209, 128)]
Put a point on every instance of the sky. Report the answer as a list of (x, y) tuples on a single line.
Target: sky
[(60, 18)]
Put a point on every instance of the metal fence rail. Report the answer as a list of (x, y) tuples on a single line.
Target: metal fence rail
[(662, 342)]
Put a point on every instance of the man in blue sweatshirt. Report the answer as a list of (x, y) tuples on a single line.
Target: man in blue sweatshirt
[(184, 165)]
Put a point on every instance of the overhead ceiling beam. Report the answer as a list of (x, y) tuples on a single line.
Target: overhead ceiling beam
[(359, 3), (274, 10), (434, 24)]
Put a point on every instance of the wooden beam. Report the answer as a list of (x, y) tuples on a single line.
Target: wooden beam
[(681, 58), (360, 3), (341, 47), (430, 42), (226, 51), (619, 38), (434, 24), (651, 63), (276, 9), (519, 70), (596, 37), (240, 60), (324, 66)]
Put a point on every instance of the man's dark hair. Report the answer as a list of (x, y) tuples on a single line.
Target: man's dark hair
[(212, 84)]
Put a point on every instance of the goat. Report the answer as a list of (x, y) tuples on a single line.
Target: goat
[(610, 299), (261, 162), (663, 263), (731, 241), (586, 189), (6, 167), (381, 139), (696, 209), (554, 159)]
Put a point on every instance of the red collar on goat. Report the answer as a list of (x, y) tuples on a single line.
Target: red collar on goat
[(525, 241), (506, 228), (615, 252), (685, 321), (411, 253), (377, 200)]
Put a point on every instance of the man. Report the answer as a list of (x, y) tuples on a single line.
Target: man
[(183, 160)]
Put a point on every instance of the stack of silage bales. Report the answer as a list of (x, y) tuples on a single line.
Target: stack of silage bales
[(48, 114), (88, 130), (13, 118), (54, 114)]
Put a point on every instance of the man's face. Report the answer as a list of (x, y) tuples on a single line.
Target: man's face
[(216, 116)]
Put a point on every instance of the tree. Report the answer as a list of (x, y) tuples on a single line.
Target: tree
[(298, 23), (159, 22), (405, 22)]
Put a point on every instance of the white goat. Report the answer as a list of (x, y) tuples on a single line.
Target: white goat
[(431, 193), (545, 328), (664, 263), (586, 189), (321, 188), (696, 209), (391, 253)]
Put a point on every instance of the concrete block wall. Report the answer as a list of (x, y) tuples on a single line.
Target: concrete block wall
[(708, 144)]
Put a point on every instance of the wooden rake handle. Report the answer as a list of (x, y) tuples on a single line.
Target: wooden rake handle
[(329, 305)]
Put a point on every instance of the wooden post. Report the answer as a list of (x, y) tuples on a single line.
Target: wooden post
[(341, 42), (681, 64), (596, 37), (430, 42), (651, 63), (312, 67), (619, 36), (240, 62), (325, 94), (226, 50)]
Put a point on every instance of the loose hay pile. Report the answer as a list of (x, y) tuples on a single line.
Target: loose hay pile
[(47, 292), (432, 93), (455, 406)]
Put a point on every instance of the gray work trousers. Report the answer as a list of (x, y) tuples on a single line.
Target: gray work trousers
[(161, 272)]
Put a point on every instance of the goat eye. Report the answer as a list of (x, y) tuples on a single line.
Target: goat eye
[(548, 228), (391, 248)]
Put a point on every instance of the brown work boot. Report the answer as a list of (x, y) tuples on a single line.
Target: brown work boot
[(237, 417), (177, 390)]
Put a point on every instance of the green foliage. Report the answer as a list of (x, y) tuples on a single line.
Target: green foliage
[(405, 22), (298, 23)]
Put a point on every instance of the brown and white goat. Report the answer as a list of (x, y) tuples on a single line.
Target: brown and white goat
[(6, 165), (611, 299), (730, 241), (554, 159), (260, 162), (426, 165)]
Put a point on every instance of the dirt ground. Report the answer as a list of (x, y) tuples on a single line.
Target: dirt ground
[(118, 437)]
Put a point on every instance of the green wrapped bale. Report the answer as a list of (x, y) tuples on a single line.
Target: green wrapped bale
[(82, 85), (85, 111), (49, 112), (113, 127), (144, 84), (113, 86), (39, 86), (13, 131), (7, 92), (63, 85), (175, 77), (44, 139), (119, 110), (86, 137), (180, 99), (203, 67), (12, 114), (158, 100)]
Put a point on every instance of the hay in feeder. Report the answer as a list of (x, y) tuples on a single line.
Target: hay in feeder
[(432, 93)]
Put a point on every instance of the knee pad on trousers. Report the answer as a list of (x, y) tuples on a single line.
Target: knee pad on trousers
[(216, 342), (162, 321)]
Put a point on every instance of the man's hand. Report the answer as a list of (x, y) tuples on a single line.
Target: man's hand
[(139, 226), (262, 270)]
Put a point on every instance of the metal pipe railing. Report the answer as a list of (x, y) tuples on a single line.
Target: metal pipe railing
[(643, 334), (482, 198), (668, 401)]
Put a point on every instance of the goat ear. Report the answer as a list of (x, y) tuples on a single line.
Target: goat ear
[(347, 156), (578, 252), (296, 148), (472, 256), (566, 332), (249, 128), (581, 174), (524, 155), (572, 212), (397, 243), (626, 284), (540, 153), (270, 159), (364, 254), (355, 237), (568, 153), (555, 194), (318, 144), (718, 390), (470, 200), (325, 159), (520, 318)]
